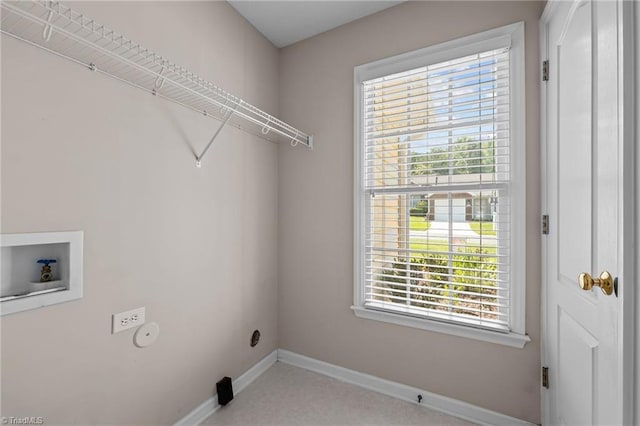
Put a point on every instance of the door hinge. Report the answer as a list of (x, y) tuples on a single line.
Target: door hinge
[(545, 377), (545, 70), (545, 224)]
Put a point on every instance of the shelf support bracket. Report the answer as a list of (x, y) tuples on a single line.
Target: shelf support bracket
[(47, 31), (213, 138)]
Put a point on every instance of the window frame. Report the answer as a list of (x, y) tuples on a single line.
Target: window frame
[(510, 35)]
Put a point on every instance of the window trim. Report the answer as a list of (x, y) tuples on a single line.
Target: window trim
[(510, 35)]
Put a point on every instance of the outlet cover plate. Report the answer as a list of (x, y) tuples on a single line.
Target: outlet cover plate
[(128, 319)]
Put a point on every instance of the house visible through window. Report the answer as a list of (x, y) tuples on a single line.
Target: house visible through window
[(441, 184)]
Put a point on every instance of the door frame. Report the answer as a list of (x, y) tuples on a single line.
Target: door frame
[(629, 157)]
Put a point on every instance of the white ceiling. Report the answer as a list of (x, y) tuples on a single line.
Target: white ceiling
[(286, 22)]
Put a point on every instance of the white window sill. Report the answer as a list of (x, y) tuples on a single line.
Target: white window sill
[(502, 338)]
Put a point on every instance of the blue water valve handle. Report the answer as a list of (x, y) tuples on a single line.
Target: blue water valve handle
[(47, 261)]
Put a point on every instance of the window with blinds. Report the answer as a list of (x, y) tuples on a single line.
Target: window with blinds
[(436, 191)]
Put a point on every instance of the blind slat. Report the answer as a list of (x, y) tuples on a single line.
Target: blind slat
[(380, 149), (445, 302), (483, 91), (412, 125), (439, 67), (441, 315), (389, 273)]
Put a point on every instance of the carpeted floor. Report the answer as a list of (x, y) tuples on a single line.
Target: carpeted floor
[(285, 395)]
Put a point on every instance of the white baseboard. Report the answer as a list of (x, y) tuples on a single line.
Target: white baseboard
[(210, 406), (450, 406)]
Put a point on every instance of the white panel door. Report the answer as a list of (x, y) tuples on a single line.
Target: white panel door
[(584, 202)]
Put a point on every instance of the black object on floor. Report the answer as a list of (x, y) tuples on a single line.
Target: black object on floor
[(225, 391)]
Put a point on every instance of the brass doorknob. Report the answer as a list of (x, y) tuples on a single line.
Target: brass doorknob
[(605, 282)]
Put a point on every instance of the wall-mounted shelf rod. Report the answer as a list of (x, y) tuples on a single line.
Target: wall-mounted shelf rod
[(67, 33)]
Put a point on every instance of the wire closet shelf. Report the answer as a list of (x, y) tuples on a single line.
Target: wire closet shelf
[(60, 30)]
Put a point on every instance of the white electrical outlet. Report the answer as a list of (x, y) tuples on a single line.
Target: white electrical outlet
[(128, 319)]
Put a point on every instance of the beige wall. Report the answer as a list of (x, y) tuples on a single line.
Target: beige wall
[(197, 247), (316, 213)]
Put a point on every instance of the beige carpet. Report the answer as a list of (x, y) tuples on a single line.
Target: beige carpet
[(286, 395)]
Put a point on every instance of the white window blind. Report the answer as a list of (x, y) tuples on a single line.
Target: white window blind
[(435, 166)]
